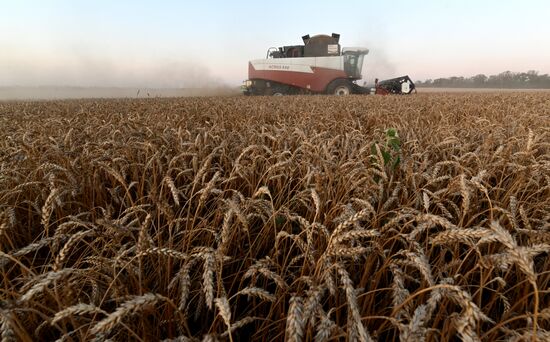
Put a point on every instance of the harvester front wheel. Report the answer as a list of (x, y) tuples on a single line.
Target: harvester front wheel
[(339, 88)]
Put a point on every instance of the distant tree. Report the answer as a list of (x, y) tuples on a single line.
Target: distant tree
[(456, 81), (479, 80), (506, 79), (523, 78), (439, 82)]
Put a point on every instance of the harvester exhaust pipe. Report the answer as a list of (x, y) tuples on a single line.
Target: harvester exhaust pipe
[(337, 37), (306, 38)]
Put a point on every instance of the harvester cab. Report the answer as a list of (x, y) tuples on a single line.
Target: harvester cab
[(319, 66), (353, 61)]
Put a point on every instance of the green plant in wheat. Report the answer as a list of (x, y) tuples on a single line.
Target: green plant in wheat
[(389, 151)]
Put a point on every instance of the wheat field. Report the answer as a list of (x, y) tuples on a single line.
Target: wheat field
[(308, 218)]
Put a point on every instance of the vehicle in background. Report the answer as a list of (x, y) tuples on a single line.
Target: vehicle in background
[(319, 66)]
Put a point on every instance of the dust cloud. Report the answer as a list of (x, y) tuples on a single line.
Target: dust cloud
[(85, 77), (377, 64)]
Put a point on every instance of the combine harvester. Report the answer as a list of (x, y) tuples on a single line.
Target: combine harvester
[(320, 66)]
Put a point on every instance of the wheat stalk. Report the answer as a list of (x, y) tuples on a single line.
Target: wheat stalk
[(45, 281), (295, 321), (208, 279), (257, 292), (356, 326), (65, 250), (47, 208), (130, 307), (324, 328), (6, 326), (184, 279), (173, 190), (164, 252), (143, 242), (225, 312), (79, 310)]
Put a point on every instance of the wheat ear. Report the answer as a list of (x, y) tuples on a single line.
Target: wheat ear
[(132, 306)]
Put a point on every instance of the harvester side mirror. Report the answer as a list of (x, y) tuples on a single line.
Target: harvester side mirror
[(306, 38), (336, 36)]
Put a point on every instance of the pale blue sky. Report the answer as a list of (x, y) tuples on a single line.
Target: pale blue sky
[(186, 43)]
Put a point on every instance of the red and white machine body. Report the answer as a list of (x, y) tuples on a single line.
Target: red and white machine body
[(311, 73), (320, 65)]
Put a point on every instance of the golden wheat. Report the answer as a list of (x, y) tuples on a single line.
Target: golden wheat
[(268, 218)]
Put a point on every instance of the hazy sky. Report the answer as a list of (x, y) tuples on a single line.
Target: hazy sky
[(196, 43)]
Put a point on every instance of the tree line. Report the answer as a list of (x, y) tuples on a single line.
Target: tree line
[(508, 79)]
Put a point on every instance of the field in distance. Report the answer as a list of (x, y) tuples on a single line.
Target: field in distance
[(60, 93), (479, 90), (412, 218), (57, 93)]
